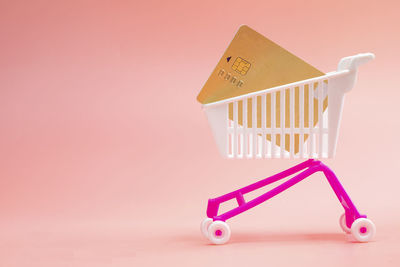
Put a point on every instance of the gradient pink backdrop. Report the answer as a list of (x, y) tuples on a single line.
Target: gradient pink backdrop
[(107, 159)]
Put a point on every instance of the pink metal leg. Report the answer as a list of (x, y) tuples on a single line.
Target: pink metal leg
[(306, 169)]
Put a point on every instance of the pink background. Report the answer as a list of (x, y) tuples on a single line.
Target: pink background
[(107, 159)]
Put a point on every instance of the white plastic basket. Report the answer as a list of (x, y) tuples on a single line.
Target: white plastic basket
[(256, 125)]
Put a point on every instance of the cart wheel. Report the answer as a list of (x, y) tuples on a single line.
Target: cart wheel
[(363, 229), (204, 226), (343, 224), (219, 232)]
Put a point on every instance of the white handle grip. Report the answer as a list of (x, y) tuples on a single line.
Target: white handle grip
[(353, 62)]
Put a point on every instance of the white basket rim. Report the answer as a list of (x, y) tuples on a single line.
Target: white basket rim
[(278, 88)]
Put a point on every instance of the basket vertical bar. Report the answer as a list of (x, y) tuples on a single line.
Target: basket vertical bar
[(235, 126), (292, 122), (301, 111), (246, 149), (228, 149), (320, 118), (254, 124), (311, 119), (282, 123), (263, 125), (273, 124)]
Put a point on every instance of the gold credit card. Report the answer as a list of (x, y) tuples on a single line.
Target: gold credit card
[(252, 63)]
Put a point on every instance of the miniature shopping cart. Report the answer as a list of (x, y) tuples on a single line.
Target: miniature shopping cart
[(296, 120)]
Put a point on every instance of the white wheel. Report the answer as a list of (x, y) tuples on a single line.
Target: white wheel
[(363, 229), (343, 225), (204, 226), (219, 232)]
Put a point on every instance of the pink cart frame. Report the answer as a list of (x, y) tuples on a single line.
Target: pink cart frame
[(306, 169)]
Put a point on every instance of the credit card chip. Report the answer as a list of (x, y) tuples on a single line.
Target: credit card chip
[(241, 66)]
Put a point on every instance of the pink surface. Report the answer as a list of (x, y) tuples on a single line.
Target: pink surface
[(107, 159)]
